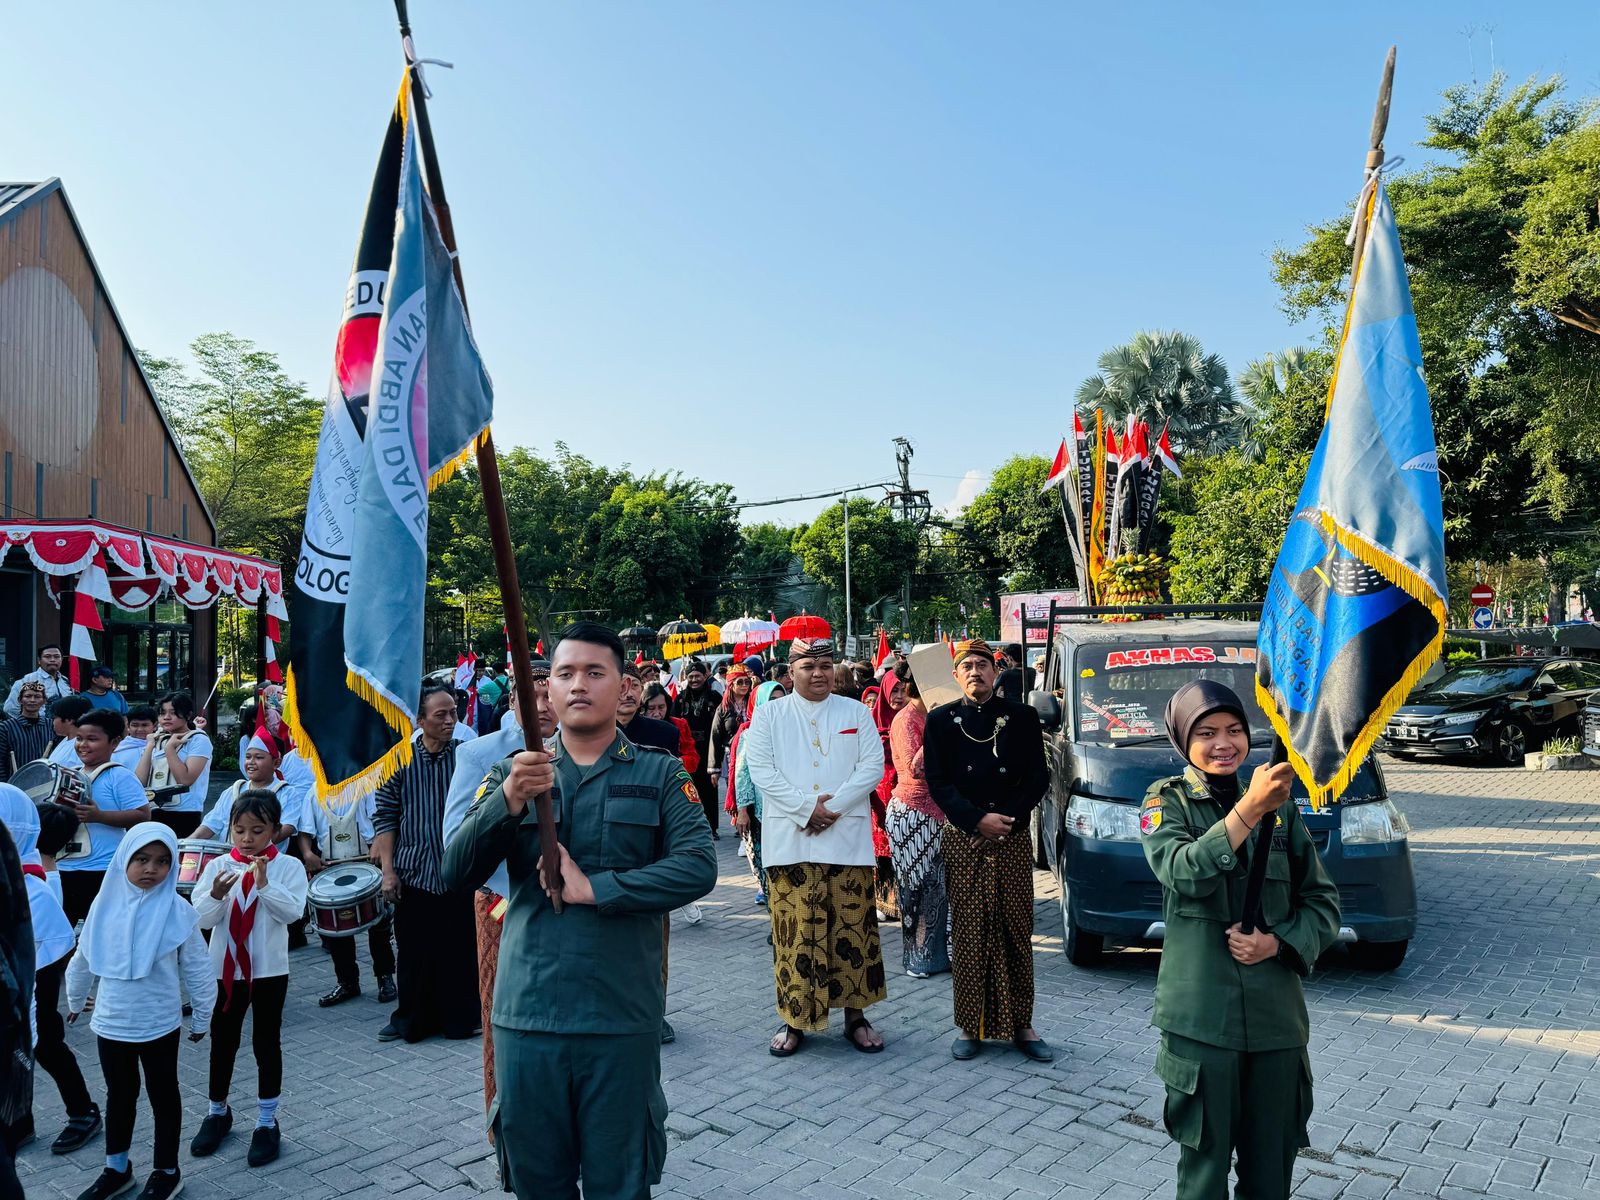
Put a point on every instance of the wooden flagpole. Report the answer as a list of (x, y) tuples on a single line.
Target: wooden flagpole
[(494, 501), (1280, 753)]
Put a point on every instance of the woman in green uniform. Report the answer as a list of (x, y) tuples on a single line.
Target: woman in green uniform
[(1229, 1006)]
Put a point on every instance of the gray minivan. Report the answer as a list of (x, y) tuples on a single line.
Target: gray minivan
[(1102, 704)]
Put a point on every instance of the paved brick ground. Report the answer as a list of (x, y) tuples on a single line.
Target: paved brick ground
[(1470, 1071)]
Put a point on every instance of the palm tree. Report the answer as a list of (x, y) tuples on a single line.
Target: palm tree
[(1167, 379), (1285, 391)]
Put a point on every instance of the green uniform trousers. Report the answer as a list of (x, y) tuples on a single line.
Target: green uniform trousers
[(1221, 1101), (574, 1104)]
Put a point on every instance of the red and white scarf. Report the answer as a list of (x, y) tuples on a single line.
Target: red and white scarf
[(241, 920)]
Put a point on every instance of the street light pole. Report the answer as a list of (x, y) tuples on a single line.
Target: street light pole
[(848, 628)]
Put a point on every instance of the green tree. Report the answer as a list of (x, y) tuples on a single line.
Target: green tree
[(1288, 395), (1227, 530), (765, 571), (1020, 527), (1501, 245), (249, 434), (590, 540), (1167, 379), (883, 550)]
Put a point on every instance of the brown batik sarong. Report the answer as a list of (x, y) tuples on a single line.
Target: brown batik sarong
[(824, 941), (488, 962), (991, 931)]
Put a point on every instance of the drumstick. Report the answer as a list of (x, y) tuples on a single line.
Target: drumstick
[(222, 669)]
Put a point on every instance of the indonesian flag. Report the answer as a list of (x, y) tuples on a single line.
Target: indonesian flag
[(274, 635), (92, 586), (1064, 477), (1059, 468), (464, 665), (638, 659), (883, 649), (1168, 458)]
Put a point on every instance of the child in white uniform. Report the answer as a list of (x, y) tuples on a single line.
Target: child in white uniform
[(139, 937), (248, 898)]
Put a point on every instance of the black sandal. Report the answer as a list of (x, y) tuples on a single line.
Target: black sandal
[(852, 1024), (788, 1030)]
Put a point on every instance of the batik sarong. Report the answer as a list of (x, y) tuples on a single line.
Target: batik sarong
[(991, 931), (919, 876), (824, 940)]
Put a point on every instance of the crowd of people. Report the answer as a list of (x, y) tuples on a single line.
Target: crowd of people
[(853, 803)]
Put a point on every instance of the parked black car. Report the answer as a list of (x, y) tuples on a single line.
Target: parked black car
[(1102, 706), (1495, 708)]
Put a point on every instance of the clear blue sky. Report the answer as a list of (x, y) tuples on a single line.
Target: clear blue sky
[(751, 241)]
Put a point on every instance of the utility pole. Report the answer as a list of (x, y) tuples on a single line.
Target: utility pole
[(914, 507), (848, 631)]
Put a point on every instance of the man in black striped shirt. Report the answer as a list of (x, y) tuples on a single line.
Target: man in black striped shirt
[(24, 738), (435, 931)]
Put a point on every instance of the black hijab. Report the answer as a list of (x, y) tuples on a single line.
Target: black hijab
[(1194, 700)]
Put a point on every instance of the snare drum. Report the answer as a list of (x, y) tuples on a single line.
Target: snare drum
[(46, 782), (346, 898), (193, 855)]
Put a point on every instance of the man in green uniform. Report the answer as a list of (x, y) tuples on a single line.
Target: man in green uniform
[(578, 998), (1229, 1006)]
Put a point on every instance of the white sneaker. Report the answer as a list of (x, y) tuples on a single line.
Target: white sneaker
[(693, 915)]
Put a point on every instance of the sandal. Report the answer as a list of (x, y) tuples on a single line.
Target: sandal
[(851, 1025), (788, 1031)]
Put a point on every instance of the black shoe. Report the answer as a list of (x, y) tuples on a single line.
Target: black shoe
[(264, 1144), (1036, 1049), (964, 1048), (111, 1183), (387, 992), (715, 836), (162, 1185), (212, 1130), (390, 1033), (668, 1033), (78, 1131), (338, 996)]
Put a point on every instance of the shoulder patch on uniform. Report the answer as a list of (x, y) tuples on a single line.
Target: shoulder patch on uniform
[(686, 785), (483, 787), (1150, 814)]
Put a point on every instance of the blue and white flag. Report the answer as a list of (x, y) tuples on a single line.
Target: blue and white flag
[(408, 404), (1355, 610), (431, 400)]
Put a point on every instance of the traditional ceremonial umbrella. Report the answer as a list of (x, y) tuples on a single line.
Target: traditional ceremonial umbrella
[(642, 634), (682, 637), (804, 625), (752, 631)]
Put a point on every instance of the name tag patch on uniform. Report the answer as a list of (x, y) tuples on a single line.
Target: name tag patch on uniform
[(1150, 816), (640, 791)]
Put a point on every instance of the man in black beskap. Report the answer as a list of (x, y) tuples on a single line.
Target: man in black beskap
[(984, 761), (638, 728), (697, 704)]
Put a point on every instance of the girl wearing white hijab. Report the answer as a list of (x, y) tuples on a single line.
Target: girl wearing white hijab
[(139, 936), (52, 942)]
